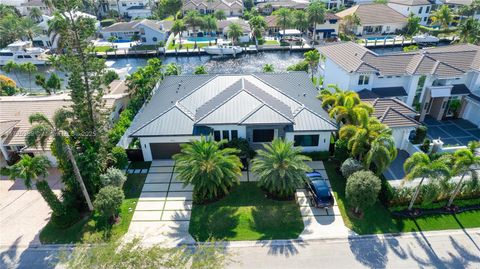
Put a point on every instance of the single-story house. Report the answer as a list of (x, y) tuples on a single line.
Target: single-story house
[(256, 107), (375, 19), (150, 32), (232, 8), (15, 111), (222, 28)]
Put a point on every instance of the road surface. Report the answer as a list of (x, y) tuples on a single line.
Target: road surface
[(445, 249)]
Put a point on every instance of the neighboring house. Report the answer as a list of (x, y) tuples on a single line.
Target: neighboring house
[(130, 9), (456, 4), (15, 111), (222, 28), (268, 8), (427, 78), (150, 32), (141, 12), (232, 8), (376, 19), (397, 115), (470, 109), (419, 8), (328, 29), (27, 6), (257, 107)]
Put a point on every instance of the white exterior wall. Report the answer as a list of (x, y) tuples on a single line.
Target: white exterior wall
[(388, 28), (145, 143), (406, 10), (327, 26), (323, 140), (149, 34), (241, 129), (334, 74), (472, 112), (139, 13), (400, 135)]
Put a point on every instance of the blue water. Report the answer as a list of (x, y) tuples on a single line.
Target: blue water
[(201, 39), (380, 37), (122, 41)]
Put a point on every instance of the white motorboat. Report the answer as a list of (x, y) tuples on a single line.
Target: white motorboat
[(223, 50), (425, 38), (23, 52)]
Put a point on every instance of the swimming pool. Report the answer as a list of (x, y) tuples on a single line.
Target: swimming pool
[(380, 37), (201, 39), (122, 41)]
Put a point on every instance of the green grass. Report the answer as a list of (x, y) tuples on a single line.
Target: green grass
[(144, 47), (377, 219), (246, 214), (189, 46), (94, 228), (271, 42), (103, 49)]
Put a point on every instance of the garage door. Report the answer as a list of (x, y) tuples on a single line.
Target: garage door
[(164, 150)]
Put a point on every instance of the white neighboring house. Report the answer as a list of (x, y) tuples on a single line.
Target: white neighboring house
[(375, 19), (28, 5), (456, 4), (128, 8), (429, 78), (15, 111), (150, 32), (419, 8), (470, 109), (328, 29), (257, 107), (232, 8), (222, 27)]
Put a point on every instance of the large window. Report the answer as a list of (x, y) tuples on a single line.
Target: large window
[(226, 135), (234, 134), (263, 135), (363, 79), (216, 136), (306, 140)]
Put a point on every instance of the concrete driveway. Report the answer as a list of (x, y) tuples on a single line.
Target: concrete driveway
[(23, 213)]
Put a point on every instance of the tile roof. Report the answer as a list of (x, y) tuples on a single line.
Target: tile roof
[(7, 125), (284, 3), (394, 119), (393, 112), (223, 24), (411, 2), (458, 2), (374, 14), (231, 99), (444, 62), (132, 26)]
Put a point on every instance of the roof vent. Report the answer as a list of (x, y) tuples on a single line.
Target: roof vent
[(304, 94)]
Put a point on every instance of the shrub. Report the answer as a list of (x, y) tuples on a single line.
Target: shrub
[(318, 155), (425, 147), (70, 217), (386, 192), (108, 201), (242, 145), (341, 150), (420, 134), (350, 166), (107, 22), (362, 190), (109, 76), (119, 157), (113, 177), (300, 66)]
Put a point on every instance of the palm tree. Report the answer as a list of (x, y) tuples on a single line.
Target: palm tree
[(382, 153), (173, 69), (44, 129), (194, 20), (442, 16), (200, 70), (35, 169), (50, 5), (209, 24), (464, 162), (284, 18), (177, 28), (345, 106), (316, 14), (268, 68), (300, 20), (12, 67), (220, 15), (349, 24), (210, 169), (312, 57), (10, 29), (30, 28), (469, 31), (419, 165), (234, 32), (280, 168), (36, 14), (28, 68), (258, 26)]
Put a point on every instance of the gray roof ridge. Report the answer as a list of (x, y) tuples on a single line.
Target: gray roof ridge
[(320, 116), (154, 118), (251, 112), (185, 110), (278, 90), (260, 107), (422, 55), (195, 89)]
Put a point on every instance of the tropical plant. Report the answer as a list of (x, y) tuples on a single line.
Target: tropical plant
[(113, 177), (11, 28), (258, 26), (28, 68), (45, 129), (8, 87), (280, 168), (316, 14), (36, 14), (341, 152), (170, 7), (248, 4), (268, 68), (300, 66), (108, 201), (350, 166), (200, 70), (234, 32), (425, 147), (110, 76), (194, 20), (362, 190), (419, 165), (30, 28), (177, 28), (173, 69), (12, 67), (52, 84), (465, 162), (413, 25), (300, 20), (382, 153), (469, 31), (442, 17), (209, 24), (349, 24), (211, 170), (119, 157), (220, 15), (284, 18), (420, 134), (313, 57)]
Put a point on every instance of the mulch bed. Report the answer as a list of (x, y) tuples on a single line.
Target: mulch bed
[(417, 212)]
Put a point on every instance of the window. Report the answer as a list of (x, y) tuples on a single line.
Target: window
[(124, 4), (427, 9), (234, 134), (306, 140), (154, 39), (425, 18), (363, 79), (216, 136), (420, 10), (226, 135), (263, 135)]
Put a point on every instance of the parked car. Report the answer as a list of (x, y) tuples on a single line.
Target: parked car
[(320, 195)]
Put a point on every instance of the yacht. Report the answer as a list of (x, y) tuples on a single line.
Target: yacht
[(426, 38), (223, 50), (23, 52)]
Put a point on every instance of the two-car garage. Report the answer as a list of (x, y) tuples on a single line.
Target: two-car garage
[(164, 150)]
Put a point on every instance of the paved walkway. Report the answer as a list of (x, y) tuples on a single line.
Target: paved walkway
[(452, 132)]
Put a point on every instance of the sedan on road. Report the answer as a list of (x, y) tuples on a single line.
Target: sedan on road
[(320, 195)]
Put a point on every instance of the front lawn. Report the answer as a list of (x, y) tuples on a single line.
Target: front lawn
[(190, 46), (104, 49), (378, 219), (93, 228), (144, 47), (246, 214)]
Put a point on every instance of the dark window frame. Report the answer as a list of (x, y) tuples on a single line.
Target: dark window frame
[(234, 134), (299, 140), (217, 136), (263, 135)]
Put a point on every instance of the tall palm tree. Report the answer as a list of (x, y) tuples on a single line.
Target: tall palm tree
[(210, 169), (465, 162), (442, 16), (194, 20), (209, 24), (284, 18), (50, 5), (316, 14), (312, 57), (177, 28), (469, 31), (234, 32), (382, 153), (334, 96), (419, 165), (36, 14), (44, 129), (258, 26), (220, 15), (28, 68), (300, 20), (280, 168), (10, 29), (35, 169), (12, 67), (30, 28)]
